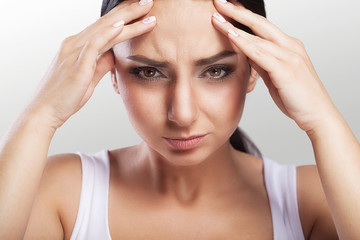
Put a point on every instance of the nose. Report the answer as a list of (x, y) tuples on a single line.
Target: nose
[(183, 109)]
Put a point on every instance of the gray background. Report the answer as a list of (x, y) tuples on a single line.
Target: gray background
[(32, 31)]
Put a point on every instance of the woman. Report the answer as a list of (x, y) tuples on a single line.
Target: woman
[(183, 76)]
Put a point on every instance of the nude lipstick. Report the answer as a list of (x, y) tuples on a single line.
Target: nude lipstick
[(187, 143)]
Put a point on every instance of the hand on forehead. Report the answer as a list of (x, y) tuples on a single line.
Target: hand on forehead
[(183, 32)]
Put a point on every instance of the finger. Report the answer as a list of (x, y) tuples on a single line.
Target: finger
[(257, 23), (126, 11), (263, 74), (86, 59), (104, 64), (272, 88), (264, 53), (106, 40), (131, 31)]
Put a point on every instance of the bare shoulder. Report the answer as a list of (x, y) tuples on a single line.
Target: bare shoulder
[(314, 211), (62, 176), (55, 207), (63, 165)]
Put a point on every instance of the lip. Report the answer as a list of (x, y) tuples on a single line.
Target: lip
[(185, 143)]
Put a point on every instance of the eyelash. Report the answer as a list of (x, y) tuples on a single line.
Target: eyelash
[(227, 69), (138, 72)]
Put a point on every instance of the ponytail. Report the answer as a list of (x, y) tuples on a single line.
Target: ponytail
[(241, 142)]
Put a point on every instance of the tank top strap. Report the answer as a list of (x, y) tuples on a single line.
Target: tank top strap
[(280, 182), (92, 217)]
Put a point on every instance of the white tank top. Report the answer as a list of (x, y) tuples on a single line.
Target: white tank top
[(92, 218)]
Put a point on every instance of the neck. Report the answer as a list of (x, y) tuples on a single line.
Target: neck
[(215, 175)]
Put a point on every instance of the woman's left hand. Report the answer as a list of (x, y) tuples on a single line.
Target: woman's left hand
[(288, 73), (283, 64)]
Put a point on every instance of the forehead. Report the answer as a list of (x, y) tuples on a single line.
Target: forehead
[(184, 32)]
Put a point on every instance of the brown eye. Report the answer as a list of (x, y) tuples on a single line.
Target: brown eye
[(215, 72), (149, 73)]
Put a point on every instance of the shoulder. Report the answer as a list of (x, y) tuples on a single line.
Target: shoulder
[(63, 177), (65, 161), (314, 211), (55, 207), (62, 173)]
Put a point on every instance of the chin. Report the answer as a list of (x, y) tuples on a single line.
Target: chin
[(186, 158)]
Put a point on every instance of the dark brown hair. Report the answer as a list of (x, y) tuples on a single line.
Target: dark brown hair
[(239, 140)]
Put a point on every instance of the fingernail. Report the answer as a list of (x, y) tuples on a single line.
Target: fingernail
[(218, 17), (232, 32), (149, 20), (144, 2), (222, 1), (118, 24)]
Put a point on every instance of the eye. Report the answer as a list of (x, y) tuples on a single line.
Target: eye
[(147, 73), (217, 73)]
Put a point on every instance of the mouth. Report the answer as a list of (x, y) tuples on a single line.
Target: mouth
[(185, 143)]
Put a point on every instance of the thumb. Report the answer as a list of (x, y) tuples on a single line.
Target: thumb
[(104, 64), (263, 74)]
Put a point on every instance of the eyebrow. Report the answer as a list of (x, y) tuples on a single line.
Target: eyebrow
[(215, 58), (200, 62)]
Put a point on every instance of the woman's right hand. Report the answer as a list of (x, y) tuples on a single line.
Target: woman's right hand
[(83, 60)]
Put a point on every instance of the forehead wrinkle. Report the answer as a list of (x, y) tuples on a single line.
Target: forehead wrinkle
[(182, 34)]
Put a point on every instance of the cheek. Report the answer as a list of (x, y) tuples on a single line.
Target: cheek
[(225, 103), (145, 108), (144, 103)]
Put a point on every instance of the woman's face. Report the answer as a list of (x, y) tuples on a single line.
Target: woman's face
[(182, 84)]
